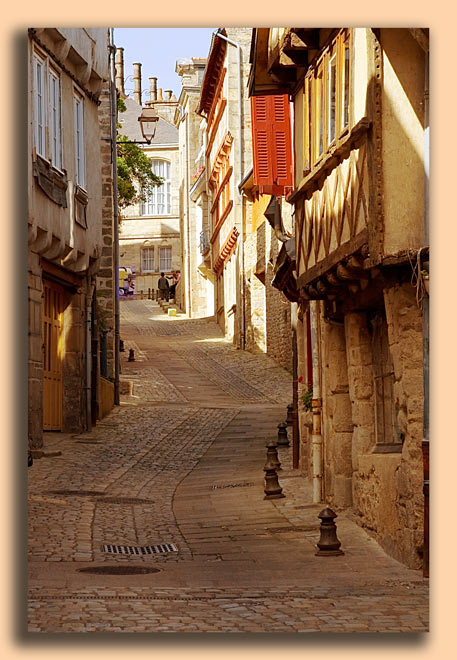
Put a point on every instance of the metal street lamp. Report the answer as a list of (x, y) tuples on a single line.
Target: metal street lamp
[(148, 124)]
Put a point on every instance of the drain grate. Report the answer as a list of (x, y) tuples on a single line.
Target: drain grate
[(159, 549), (242, 485), (306, 528), (124, 500), (77, 493), (118, 570)]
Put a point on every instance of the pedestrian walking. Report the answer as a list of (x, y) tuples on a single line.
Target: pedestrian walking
[(175, 277), (163, 287)]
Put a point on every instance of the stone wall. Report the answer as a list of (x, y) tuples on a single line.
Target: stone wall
[(337, 419), (387, 487), (105, 277), (35, 357)]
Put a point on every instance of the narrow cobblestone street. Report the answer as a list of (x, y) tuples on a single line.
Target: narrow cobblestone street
[(180, 462)]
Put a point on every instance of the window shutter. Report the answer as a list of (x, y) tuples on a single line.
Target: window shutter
[(263, 171), (282, 141), (272, 143)]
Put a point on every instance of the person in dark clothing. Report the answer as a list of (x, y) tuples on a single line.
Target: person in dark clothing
[(163, 287)]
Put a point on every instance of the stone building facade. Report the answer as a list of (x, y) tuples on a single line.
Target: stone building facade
[(68, 74), (149, 235), (227, 156), (360, 132), (196, 288)]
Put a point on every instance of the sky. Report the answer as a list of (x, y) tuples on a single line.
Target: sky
[(157, 49)]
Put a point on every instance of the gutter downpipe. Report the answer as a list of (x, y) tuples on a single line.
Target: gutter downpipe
[(240, 194), (316, 437), (112, 48), (426, 325)]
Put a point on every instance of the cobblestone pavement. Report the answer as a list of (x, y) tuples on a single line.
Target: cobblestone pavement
[(181, 462)]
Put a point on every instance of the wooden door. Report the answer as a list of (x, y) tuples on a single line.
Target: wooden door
[(53, 299)]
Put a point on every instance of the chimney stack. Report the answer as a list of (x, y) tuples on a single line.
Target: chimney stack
[(153, 89), (159, 95), (168, 93), (120, 71), (137, 82)]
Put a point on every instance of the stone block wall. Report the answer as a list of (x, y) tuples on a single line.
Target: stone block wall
[(35, 356), (336, 416), (387, 487), (105, 278), (404, 319), (278, 319)]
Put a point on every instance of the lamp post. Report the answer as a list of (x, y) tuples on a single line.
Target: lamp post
[(148, 124)]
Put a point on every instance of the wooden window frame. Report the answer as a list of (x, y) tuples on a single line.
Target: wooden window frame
[(80, 139), (318, 138), (44, 133)]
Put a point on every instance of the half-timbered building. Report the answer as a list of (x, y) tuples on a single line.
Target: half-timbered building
[(359, 199)]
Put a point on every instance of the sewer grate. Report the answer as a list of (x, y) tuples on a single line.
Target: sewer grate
[(159, 549), (118, 570), (242, 485), (77, 493), (124, 500), (306, 528)]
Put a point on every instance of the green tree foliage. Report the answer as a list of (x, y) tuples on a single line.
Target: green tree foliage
[(135, 178)]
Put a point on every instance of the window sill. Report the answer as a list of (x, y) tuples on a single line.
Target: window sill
[(392, 448)]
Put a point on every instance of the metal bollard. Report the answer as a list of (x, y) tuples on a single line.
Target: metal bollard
[(328, 543), (131, 357), (272, 454), (290, 409), (121, 346), (283, 440), (272, 490), (149, 294)]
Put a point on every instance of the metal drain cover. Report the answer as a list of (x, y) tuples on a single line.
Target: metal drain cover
[(77, 493), (159, 549), (241, 485), (124, 500), (303, 528), (118, 570)]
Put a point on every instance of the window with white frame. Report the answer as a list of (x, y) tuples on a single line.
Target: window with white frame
[(159, 202), (147, 260), (164, 259), (55, 129), (80, 147), (47, 111)]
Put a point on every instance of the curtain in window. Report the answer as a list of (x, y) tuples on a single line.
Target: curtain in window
[(164, 259), (159, 202)]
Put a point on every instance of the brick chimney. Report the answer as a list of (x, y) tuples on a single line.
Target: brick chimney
[(152, 89), (137, 82), (120, 71)]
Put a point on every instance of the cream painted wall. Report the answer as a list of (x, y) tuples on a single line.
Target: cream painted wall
[(402, 140)]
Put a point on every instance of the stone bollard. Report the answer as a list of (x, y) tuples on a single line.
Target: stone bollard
[(328, 543), (272, 490), (131, 357), (121, 346), (272, 454), (283, 440), (290, 409)]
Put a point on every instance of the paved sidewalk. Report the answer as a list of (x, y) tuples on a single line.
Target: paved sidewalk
[(181, 462)]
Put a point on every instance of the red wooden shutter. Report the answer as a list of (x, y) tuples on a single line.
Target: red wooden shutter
[(263, 171), (272, 145), (282, 142)]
